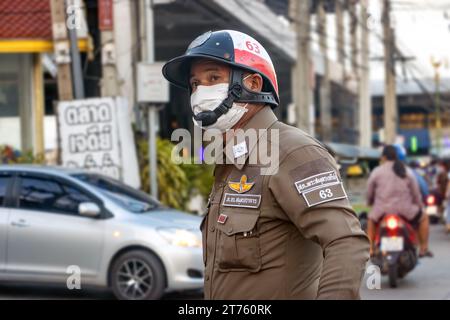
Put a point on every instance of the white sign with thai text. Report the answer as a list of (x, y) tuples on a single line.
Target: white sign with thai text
[(89, 135)]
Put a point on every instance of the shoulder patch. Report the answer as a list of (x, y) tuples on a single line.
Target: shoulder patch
[(318, 182)]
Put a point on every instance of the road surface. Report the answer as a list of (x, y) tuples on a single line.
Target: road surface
[(430, 280)]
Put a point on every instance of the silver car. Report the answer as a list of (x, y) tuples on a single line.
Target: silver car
[(84, 229)]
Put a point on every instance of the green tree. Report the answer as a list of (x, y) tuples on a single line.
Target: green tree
[(10, 155), (176, 183)]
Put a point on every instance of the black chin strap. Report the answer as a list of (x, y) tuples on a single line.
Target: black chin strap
[(208, 118), (236, 93)]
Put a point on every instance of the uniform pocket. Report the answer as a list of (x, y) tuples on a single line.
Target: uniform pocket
[(239, 246), (203, 228)]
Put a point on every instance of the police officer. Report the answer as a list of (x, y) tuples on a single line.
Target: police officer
[(289, 233)]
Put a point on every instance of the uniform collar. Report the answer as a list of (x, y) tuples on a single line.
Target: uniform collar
[(263, 119)]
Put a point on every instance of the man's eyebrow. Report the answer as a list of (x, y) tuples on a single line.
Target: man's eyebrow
[(206, 70)]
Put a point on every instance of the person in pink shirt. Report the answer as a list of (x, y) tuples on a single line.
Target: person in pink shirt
[(392, 188)]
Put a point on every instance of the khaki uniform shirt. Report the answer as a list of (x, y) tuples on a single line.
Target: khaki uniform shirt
[(288, 235)]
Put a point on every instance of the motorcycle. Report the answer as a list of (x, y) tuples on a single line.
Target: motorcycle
[(432, 209), (395, 248)]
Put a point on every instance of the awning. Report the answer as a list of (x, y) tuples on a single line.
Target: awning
[(353, 152), (26, 27), (34, 46)]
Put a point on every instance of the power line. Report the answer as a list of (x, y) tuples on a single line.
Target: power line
[(316, 30)]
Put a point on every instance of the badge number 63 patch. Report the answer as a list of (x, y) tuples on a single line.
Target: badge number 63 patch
[(324, 194)]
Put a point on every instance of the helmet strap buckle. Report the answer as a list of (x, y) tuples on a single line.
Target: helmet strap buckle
[(234, 93)]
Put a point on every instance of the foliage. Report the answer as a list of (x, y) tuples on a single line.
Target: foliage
[(176, 183), (9, 155), (200, 177)]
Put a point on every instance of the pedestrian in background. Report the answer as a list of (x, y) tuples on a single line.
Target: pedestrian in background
[(419, 174), (441, 185)]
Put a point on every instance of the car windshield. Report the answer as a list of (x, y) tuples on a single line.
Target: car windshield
[(128, 198)]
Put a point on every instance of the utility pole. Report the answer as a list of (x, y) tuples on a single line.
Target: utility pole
[(353, 36), (355, 122), (325, 85), (437, 104), (365, 99), (301, 76), (61, 46), (390, 99), (62, 49), (339, 10), (109, 86), (152, 109), (74, 52)]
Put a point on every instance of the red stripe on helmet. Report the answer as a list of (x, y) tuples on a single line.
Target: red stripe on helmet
[(258, 63)]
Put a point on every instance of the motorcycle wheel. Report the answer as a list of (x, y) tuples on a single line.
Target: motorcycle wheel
[(434, 219), (393, 275)]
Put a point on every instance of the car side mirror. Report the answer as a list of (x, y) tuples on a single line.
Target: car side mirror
[(89, 209)]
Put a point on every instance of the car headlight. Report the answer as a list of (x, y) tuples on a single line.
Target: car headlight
[(182, 237)]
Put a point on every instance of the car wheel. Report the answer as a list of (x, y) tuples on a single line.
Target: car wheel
[(137, 275)]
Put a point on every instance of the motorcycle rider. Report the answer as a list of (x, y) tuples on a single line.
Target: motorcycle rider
[(441, 185), (447, 209), (414, 165), (393, 188)]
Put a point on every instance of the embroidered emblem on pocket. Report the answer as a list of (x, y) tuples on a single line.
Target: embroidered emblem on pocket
[(242, 186)]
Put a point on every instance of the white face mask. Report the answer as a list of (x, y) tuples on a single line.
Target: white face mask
[(207, 98)]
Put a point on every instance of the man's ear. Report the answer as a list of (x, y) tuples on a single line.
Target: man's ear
[(254, 82)]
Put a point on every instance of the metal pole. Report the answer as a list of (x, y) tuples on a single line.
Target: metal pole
[(438, 114), (390, 99), (152, 151), (340, 34), (365, 111), (437, 108), (76, 61), (301, 73), (325, 85), (152, 116)]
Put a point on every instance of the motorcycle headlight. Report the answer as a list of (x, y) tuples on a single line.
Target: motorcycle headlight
[(182, 237)]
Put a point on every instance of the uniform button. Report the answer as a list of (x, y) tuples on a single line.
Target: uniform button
[(212, 229), (207, 278), (230, 229)]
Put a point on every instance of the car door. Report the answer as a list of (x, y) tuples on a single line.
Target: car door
[(46, 233), (5, 187)]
